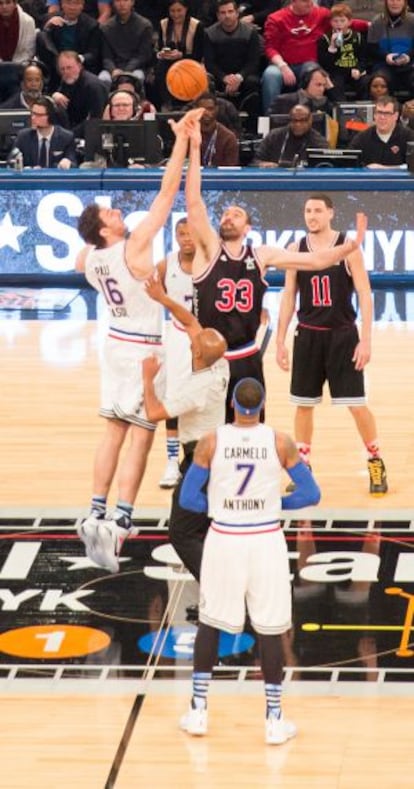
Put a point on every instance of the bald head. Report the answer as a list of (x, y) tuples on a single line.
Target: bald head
[(208, 346)]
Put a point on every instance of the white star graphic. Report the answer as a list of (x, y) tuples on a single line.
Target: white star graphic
[(83, 563), (9, 233)]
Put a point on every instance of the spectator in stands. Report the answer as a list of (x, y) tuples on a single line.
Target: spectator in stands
[(315, 92), (123, 105), (180, 35), (129, 83), (71, 30), (232, 54), (227, 114), (31, 89), (80, 93), (291, 35), (377, 85), (97, 9), (127, 43), (219, 145), (341, 52), (384, 144), (17, 45), (390, 45), (45, 144), (291, 40), (286, 146)]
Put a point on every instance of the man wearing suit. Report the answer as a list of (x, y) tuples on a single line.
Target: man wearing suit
[(73, 30), (45, 145)]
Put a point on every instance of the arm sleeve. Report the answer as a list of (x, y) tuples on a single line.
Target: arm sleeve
[(192, 496), (306, 491)]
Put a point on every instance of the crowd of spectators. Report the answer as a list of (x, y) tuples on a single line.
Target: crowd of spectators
[(264, 58)]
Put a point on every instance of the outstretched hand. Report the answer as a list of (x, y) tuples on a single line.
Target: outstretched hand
[(189, 124), (154, 287)]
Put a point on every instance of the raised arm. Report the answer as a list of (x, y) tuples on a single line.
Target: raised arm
[(205, 237), (156, 291), (142, 236), (302, 261), (80, 262)]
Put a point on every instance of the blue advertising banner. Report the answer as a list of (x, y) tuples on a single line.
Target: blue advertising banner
[(38, 227)]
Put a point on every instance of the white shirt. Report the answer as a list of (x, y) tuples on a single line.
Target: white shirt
[(200, 404)]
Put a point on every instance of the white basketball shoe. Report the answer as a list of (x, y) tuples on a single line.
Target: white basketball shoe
[(171, 476), (111, 537), (279, 730), (88, 533), (195, 721)]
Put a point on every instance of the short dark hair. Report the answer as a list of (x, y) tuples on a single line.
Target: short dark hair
[(206, 95), (226, 2), (383, 100), (323, 197), (90, 224), (48, 104), (183, 219), (249, 220), (248, 396)]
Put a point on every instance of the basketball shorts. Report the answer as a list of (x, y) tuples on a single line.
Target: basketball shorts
[(320, 356), (122, 391), (239, 570)]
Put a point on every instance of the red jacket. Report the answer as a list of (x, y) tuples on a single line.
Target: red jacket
[(295, 37)]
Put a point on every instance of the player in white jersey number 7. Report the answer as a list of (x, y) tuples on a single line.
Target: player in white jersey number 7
[(245, 558)]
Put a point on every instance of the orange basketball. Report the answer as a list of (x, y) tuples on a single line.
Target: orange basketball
[(186, 79)]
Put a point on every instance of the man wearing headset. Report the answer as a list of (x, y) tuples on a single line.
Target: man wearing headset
[(316, 91), (124, 105), (44, 144)]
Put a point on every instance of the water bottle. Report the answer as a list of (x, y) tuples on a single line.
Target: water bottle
[(18, 162), (339, 39)]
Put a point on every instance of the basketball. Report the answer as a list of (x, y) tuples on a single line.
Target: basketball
[(186, 79)]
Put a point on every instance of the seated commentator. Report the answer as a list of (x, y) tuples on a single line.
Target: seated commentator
[(385, 144), (44, 144), (287, 145), (123, 105)]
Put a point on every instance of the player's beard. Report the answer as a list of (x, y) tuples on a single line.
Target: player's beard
[(228, 233)]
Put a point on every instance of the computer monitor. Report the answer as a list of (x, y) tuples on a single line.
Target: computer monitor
[(333, 157), (354, 115), (123, 142), (11, 122), (318, 122), (165, 131)]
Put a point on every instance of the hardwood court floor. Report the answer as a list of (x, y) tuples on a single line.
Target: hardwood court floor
[(49, 424), (70, 741), (49, 428)]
